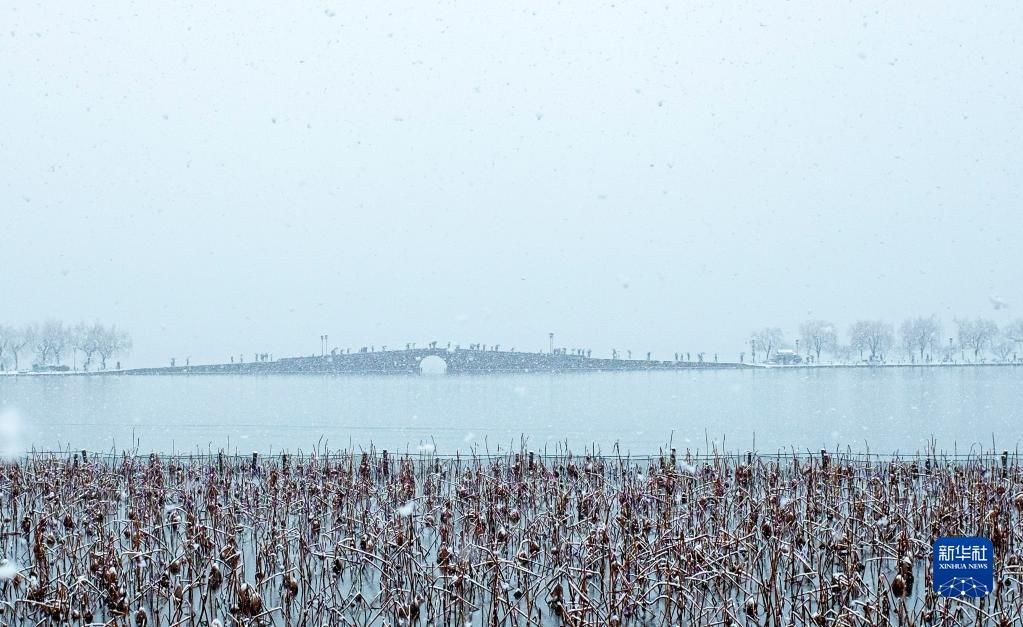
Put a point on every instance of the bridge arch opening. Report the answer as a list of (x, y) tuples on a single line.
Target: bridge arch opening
[(433, 365)]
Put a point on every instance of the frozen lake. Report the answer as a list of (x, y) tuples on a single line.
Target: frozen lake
[(885, 409)]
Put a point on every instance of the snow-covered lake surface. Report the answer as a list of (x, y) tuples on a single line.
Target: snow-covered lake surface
[(883, 409)]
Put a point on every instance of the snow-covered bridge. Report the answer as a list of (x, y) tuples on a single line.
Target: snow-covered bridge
[(418, 360)]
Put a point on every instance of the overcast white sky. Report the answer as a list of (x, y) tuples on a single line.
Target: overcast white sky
[(225, 177)]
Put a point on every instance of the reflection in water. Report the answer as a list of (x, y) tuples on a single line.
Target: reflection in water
[(883, 409)]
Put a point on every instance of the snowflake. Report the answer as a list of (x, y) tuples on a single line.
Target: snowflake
[(963, 587)]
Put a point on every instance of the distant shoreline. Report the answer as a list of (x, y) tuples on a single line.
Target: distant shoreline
[(894, 365), (620, 365)]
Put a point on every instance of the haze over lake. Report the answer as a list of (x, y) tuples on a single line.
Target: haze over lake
[(885, 410)]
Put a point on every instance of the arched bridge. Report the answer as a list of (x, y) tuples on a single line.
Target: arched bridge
[(457, 360)]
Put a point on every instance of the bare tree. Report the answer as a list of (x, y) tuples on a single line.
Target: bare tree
[(858, 337), (1014, 332), (976, 334), (93, 338), (882, 339), (818, 335), (112, 342), (86, 339), (6, 333), (51, 342), (40, 346), (768, 339), (907, 346), (20, 338), (76, 340), (875, 336), (1002, 348), (921, 335)]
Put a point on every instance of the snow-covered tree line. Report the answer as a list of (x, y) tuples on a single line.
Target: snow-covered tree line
[(51, 343), (917, 340)]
